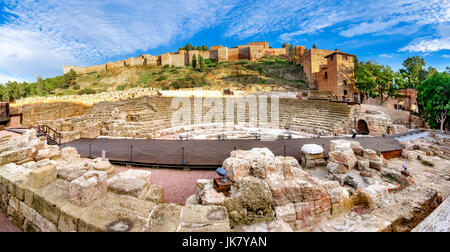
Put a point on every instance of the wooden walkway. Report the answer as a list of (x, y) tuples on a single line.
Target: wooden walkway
[(205, 153)]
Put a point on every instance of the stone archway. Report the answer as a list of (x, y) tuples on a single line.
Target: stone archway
[(363, 128)]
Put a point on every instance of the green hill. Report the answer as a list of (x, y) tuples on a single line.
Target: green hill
[(269, 74)]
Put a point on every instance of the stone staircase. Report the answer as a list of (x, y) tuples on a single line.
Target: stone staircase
[(148, 117)]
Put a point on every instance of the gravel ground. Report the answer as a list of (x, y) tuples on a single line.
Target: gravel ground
[(178, 184), (6, 225)]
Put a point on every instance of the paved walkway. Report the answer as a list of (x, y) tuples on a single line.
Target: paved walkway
[(178, 184), (6, 225), (206, 153)]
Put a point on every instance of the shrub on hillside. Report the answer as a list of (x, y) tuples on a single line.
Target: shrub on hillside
[(162, 78), (190, 81), (86, 91), (121, 87)]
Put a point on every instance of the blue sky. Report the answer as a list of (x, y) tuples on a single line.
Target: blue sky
[(40, 37)]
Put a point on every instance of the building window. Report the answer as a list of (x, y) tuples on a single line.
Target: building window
[(326, 75), (345, 92), (344, 57), (345, 82)]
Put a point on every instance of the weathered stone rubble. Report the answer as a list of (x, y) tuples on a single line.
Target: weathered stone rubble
[(368, 194), (272, 194), (67, 193), (59, 191)]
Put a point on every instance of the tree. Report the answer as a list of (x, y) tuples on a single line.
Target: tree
[(413, 66), (434, 97), (202, 64), (68, 79), (314, 46), (424, 74), (2, 92), (11, 92), (374, 80), (194, 61), (40, 86), (205, 48), (188, 47), (285, 45)]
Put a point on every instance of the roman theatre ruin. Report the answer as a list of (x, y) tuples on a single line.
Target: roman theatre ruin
[(290, 160)]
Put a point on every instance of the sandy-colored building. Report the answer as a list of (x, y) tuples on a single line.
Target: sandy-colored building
[(324, 69), (405, 100), (253, 51), (329, 70)]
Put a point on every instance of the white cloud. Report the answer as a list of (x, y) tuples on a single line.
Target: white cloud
[(4, 78), (447, 56), (385, 55), (426, 45), (42, 36), (28, 54), (348, 17)]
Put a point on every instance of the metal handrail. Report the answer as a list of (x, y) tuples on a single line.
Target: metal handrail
[(48, 132)]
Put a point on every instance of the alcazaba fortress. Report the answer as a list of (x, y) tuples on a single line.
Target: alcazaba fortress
[(324, 69)]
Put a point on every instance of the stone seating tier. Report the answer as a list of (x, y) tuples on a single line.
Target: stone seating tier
[(147, 116)]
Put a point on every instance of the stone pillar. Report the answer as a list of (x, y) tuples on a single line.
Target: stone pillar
[(312, 156), (86, 189)]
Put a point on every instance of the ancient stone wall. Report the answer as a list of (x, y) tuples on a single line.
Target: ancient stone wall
[(253, 51), (234, 54), (50, 111), (47, 189)]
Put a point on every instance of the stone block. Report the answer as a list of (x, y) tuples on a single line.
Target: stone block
[(88, 188), (345, 157), (127, 203), (69, 153), (117, 213), (286, 213), (409, 154), (48, 200), (15, 215), (155, 194), (377, 165), (199, 218), (101, 219), (165, 218), (255, 194), (8, 157), (42, 176), (35, 222), (371, 154), (236, 168), (363, 165), (336, 168), (128, 185), (72, 169), (312, 151), (212, 197), (104, 166), (70, 215), (428, 161), (50, 152)]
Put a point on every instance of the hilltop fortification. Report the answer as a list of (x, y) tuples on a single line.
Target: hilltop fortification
[(324, 69), (253, 51)]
